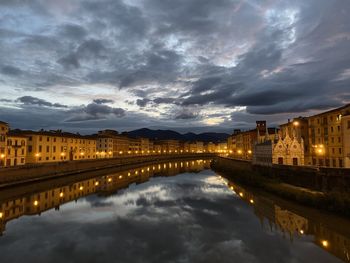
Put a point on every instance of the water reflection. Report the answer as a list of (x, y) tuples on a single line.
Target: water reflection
[(328, 232), (33, 203), (148, 214)]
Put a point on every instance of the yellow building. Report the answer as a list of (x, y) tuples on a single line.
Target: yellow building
[(346, 139), (4, 129), (196, 147), (56, 146), (326, 138), (12, 147), (16, 151), (168, 146)]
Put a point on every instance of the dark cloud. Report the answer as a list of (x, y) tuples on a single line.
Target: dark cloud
[(142, 102), (103, 101), (11, 71), (29, 100), (94, 111), (259, 57)]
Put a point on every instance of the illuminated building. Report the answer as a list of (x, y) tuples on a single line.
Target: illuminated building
[(13, 148), (284, 150), (328, 134), (241, 144), (300, 128), (167, 146), (56, 146)]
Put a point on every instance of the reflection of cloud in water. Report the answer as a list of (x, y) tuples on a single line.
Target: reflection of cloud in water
[(187, 218)]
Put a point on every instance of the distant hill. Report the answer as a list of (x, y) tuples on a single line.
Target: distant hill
[(173, 135)]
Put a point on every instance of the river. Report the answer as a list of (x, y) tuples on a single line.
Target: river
[(166, 212)]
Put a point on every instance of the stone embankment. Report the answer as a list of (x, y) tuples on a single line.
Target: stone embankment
[(323, 188)]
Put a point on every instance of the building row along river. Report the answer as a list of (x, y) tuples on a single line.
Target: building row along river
[(20, 147), (318, 140)]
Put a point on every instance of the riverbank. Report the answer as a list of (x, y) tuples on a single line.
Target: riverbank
[(39, 172), (335, 200)]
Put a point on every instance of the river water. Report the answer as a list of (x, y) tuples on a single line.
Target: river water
[(168, 212)]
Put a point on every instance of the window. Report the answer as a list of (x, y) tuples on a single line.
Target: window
[(47, 158), (54, 149), (340, 163), (280, 160), (334, 162), (339, 150), (30, 148), (48, 139), (332, 129), (40, 148), (47, 149), (295, 161), (348, 124), (40, 139)]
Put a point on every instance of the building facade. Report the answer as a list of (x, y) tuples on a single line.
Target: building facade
[(282, 150), (327, 138), (57, 146)]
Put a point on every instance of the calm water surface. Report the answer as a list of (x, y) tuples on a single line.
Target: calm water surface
[(168, 212)]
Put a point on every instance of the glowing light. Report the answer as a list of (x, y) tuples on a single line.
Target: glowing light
[(301, 231), (97, 183), (251, 201), (2, 156), (239, 151), (120, 176), (325, 243), (81, 188), (109, 180), (249, 151), (61, 194), (62, 154), (120, 152), (1, 215), (296, 123), (35, 203), (241, 194), (129, 174), (37, 155)]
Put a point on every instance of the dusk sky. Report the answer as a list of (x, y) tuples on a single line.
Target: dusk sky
[(187, 65)]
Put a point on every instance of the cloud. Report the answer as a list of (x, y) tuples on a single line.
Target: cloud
[(11, 71), (103, 101), (29, 100), (94, 111), (291, 57)]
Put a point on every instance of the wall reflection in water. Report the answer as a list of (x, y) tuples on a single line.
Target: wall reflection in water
[(20, 201), (329, 232)]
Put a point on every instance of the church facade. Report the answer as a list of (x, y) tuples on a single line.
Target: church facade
[(283, 150)]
